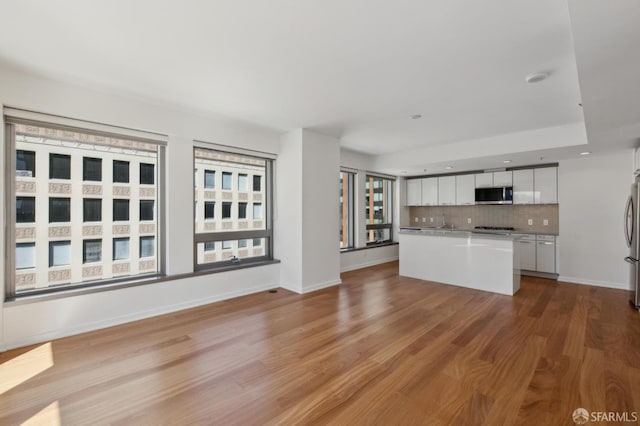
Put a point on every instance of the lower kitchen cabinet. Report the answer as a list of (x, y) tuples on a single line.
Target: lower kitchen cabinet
[(538, 253), (546, 254), (527, 246)]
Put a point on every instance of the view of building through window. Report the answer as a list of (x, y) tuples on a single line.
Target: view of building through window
[(378, 209), (84, 207), (230, 220)]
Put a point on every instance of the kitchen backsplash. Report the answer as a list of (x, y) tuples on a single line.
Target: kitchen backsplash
[(515, 216)]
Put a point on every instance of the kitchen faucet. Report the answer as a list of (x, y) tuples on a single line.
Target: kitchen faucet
[(444, 222)]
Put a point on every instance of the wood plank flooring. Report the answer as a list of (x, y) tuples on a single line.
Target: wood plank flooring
[(379, 349)]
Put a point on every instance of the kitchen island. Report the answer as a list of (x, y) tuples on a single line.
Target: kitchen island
[(481, 261)]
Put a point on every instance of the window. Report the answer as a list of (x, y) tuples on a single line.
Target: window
[(346, 209), (92, 210), (147, 174), (243, 183), (209, 209), (257, 211), (232, 228), (59, 166), (25, 255), (120, 248), (92, 169), (59, 253), (242, 210), (25, 209), (147, 246), (25, 163), (226, 180), (79, 227), (120, 210), (209, 179), (378, 209), (91, 251), (146, 209), (120, 171), (226, 210), (59, 210)]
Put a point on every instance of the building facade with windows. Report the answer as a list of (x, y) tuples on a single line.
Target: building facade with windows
[(85, 207), (230, 198)]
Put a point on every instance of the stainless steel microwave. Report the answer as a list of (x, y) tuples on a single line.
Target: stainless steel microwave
[(499, 195)]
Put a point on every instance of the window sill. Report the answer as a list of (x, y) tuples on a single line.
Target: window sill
[(370, 246), (83, 289)]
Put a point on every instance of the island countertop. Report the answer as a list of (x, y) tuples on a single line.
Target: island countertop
[(488, 262)]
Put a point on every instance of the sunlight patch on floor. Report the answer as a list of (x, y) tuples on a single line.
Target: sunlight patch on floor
[(22, 368), (49, 416)]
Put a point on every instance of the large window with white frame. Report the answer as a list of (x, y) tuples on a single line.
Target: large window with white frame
[(378, 209), (82, 206), (346, 209), (232, 218)]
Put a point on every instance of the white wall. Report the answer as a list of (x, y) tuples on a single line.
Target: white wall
[(306, 223), (320, 208), (26, 323), (287, 220), (357, 259), (592, 196)]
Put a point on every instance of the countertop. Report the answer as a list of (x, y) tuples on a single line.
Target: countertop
[(472, 230), (457, 233)]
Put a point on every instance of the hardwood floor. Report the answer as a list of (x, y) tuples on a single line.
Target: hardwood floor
[(379, 349)]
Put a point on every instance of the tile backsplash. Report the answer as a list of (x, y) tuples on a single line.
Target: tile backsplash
[(516, 216)]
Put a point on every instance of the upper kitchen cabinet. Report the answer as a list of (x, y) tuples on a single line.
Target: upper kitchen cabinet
[(430, 191), (484, 180), (414, 192), (503, 178), (465, 190), (447, 191), (523, 186), (545, 185)]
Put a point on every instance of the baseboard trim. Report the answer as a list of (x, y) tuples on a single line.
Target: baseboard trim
[(98, 325), (312, 288), (367, 264), (584, 281)]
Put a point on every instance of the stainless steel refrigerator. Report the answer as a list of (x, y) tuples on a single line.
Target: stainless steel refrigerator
[(632, 235)]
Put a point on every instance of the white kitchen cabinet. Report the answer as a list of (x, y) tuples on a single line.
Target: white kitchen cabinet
[(527, 252), (503, 178), (446, 191), (546, 253), (414, 192), (523, 186), (484, 180), (429, 191), (545, 185), (465, 190)]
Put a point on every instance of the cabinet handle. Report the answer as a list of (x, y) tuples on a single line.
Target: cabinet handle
[(545, 243), (526, 242)]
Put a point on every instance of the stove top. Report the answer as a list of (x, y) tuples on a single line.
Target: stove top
[(495, 228)]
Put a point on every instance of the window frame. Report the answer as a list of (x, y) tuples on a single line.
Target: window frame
[(246, 234), (158, 143), (348, 210), (388, 224)]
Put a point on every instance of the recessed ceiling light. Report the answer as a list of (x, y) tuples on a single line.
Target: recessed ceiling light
[(536, 77), (448, 167), (404, 172), (416, 116), (506, 161), (585, 153)]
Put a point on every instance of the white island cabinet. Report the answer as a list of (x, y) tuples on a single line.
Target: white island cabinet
[(478, 261)]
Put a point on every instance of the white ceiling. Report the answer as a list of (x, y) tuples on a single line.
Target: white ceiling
[(355, 69)]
